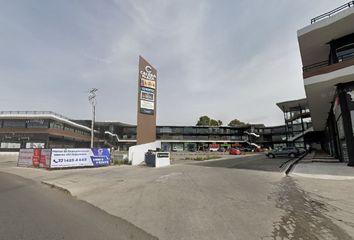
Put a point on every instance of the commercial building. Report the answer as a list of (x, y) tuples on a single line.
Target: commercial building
[(193, 138), (25, 129), (327, 53), (30, 129)]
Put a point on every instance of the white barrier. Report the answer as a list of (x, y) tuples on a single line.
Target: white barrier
[(137, 152), (162, 159)]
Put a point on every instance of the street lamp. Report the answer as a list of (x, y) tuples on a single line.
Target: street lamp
[(92, 99)]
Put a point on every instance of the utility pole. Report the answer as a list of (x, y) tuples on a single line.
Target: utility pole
[(92, 99)]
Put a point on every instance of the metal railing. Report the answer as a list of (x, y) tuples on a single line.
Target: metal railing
[(325, 63), (32, 112), (316, 65), (334, 11)]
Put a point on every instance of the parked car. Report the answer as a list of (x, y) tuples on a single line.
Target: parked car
[(234, 151), (284, 152)]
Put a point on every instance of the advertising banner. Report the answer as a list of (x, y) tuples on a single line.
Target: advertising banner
[(44, 161), (25, 158), (79, 157)]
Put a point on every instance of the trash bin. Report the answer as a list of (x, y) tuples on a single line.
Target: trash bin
[(150, 158)]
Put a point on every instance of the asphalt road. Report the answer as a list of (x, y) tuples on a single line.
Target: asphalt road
[(257, 162), (29, 210)]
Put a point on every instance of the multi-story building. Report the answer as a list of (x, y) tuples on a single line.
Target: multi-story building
[(25, 129), (327, 53), (50, 130)]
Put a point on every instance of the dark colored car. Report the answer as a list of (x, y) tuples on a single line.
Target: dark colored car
[(284, 152), (234, 151)]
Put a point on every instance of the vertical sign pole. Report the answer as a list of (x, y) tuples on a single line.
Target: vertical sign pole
[(92, 99), (147, 91)]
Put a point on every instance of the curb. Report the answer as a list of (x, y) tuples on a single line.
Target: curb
[(57, 187), (287, 171)]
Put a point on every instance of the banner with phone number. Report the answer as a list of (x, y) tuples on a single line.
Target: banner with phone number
[(79, 157)]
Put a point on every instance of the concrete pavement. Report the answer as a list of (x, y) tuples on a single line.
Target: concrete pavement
[(32, 211), (230, 199), (323, 167), (178, 202)]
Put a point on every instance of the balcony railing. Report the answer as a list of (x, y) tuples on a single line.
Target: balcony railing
[(325, 63), (334, 11), (32, 113)]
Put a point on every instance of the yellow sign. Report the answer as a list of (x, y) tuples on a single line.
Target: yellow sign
[(147, 83)]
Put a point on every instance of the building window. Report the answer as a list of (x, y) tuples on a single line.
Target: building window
[(202, 130), (165, 130), (14, 124), (189, 130), (56, 125), (37, 123), (345, 52)]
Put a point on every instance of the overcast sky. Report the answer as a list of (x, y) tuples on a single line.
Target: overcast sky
[(225, 59)]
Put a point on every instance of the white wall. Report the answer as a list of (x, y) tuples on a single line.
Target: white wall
[(137, 152)]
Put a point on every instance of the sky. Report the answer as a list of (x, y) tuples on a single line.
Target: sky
[(225, 59)]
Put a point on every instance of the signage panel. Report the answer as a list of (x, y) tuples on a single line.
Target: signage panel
[(25, 158), (148, 83), (147, 96), (149, 90), (147, 105), (79, 157)]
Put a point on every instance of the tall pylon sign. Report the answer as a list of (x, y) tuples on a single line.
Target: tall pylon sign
[(147, 91)]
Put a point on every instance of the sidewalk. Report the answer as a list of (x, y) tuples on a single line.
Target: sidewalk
[(322, 166)]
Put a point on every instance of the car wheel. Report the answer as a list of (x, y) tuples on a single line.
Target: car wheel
[(271, 156), (292, 155)]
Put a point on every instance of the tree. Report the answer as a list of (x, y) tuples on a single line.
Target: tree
[(213, 122), (236, 122), (203, 121), (206, 121)]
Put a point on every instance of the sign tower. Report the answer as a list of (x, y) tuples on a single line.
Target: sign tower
[(147, 89)]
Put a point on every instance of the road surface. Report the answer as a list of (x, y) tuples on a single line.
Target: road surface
[(29, 210)]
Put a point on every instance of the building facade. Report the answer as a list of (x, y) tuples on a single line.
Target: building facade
[(327, 53), (25, 129), (30, 129)]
